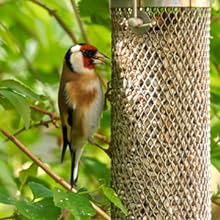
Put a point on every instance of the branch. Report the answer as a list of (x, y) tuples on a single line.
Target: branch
[(53, 13), (102, 79), (9, 217), (57, 178), (52, 115), (215, 18), (41, 123), (107, 151), (79, 20), (214, 201), (102, 138), (53, 120)]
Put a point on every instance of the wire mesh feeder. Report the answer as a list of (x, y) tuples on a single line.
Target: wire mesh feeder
[(160, 115)]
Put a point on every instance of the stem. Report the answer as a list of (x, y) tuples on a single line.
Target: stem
[(215, 202), (57, 178), (53, 13), (216, 18), (9, 217), (102, 138), (53, 119), (52, 115), (41, 123), (79, 20)]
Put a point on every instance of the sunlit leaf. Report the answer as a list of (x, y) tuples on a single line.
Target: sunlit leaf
[(42, 210), (6, 178), (95, 7), (39, 190), (94, 167), (98, 11), (20, 88), (78, 204), (19, 103), (5, 198), (31, 171), (113, 197)]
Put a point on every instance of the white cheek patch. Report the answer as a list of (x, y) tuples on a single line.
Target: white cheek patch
[(75, 48), (76, 61)]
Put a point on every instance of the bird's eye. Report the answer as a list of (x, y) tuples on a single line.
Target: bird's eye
[(88, 53)]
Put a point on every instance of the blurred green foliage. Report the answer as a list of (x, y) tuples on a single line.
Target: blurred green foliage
[(215, 85), (32, 47)]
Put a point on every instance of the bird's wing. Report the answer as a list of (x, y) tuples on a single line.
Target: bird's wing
[(67, 112)]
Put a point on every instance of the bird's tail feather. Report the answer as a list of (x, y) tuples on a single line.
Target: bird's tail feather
[(74, 169), (75, 154)]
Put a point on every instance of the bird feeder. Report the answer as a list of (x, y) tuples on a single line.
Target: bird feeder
[(160, 109)]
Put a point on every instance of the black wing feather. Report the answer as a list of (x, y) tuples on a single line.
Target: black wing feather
[(65, 142)]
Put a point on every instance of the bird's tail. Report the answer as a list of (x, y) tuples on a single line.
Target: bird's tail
[(75, 156)]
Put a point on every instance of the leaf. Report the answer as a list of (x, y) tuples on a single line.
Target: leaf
[(39, 190), (113, 197), (94, 167), (90, 8), (21, 89), (6, 177), (216, 162), (42, 210), (25, 174), (19, 103), (5, 198), (79, 205)]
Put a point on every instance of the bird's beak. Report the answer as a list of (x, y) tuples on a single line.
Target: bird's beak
[(99, 58)]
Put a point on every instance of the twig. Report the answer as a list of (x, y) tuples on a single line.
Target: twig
[(64, 215), (41, 123), (57, 178), (9, 217), (215, 202), (79, 20), (107, 151), (5, 2), (52, 115), (215, 18), (53, 119), (53, 13), (102, 79), (102, 138)]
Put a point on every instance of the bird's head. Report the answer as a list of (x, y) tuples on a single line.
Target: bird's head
[(82, 58)]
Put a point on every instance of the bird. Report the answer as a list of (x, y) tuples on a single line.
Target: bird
[(80, 101)]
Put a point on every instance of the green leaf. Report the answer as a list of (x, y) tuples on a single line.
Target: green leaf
[(6, 177), (21, 89), (39, 190), (5, 198), (42, 210), (94, 167), (113, 197), (79, 205), (29, 172), (216, 162), (19, 103), (90, 8)]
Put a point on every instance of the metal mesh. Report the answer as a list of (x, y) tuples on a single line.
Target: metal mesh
[(160, 115)]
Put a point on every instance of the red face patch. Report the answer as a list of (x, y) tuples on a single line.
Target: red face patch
[(88, 47), (88, 52), (88, 63)]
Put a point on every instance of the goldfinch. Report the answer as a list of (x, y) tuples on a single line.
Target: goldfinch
[(80, 100)]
